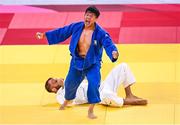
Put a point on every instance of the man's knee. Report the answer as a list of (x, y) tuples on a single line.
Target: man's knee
[(123, 64)]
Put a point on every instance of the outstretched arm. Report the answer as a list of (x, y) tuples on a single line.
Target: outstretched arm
[(57, 35)]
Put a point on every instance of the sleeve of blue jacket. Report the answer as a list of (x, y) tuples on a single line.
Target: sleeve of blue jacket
[(59, 35), (109, 46)]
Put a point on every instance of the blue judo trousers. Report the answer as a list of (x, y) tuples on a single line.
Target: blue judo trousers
[(89, 66)]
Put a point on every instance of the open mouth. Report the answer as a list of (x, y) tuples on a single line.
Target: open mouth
[(87, 22)]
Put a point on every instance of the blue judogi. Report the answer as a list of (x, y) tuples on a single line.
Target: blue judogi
[(83, 67)]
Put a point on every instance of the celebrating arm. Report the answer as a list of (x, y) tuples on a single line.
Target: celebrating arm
[(109, 47), (57, 35)]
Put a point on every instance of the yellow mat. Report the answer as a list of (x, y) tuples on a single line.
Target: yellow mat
[(163, 107), (149, 62), (24, 69)]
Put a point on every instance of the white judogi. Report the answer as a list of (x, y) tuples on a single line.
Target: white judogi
[(121, 74)]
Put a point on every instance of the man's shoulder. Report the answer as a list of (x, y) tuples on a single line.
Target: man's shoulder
[(60, 91), (76, 25), (100, 29)]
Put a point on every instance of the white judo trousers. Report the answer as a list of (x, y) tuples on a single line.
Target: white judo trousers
[(120, 74)]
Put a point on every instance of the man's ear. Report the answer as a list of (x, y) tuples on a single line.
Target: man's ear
[(54, 90)]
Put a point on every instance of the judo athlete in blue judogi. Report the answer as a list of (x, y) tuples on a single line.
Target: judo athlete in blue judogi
[(86, 49)]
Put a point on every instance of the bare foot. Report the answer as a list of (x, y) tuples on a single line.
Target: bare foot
[(134, 100), (133, 96), (91, 112), (91, 115)]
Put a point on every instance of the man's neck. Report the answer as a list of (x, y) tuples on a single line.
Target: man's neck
[(92, 27)]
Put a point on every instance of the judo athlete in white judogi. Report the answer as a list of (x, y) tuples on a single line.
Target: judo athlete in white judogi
[(121, 74)]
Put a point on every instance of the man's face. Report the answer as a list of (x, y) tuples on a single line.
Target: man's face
[(89, 19), (55, 84)]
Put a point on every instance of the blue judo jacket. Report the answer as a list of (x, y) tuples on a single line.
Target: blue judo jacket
[(100, 39)]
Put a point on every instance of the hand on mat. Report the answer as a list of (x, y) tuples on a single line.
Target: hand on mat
[(115, 54), (40, 35)]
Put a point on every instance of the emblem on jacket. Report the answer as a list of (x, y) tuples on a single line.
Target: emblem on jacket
[(95, 42)]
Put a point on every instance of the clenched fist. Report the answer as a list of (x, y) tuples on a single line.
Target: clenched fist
[(115, 54), (40, 35)]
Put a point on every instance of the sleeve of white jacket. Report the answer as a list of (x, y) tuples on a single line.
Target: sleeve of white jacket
[(60, 96)]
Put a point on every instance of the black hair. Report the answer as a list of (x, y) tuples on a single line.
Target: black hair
[(47, 85), (94, 10)]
